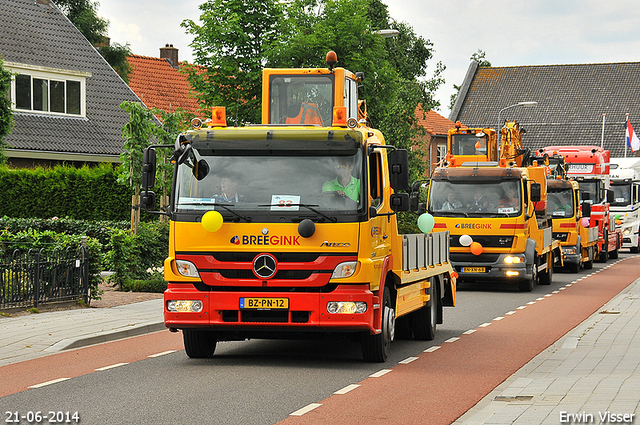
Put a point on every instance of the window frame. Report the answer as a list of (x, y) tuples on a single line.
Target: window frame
[(52, 76)]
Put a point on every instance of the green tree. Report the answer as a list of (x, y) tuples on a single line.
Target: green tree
[(231, 44), (479, 57), (137, 133), (6, 115), (84, 15)]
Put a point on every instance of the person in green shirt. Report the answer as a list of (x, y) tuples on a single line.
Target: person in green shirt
[(344, 185)]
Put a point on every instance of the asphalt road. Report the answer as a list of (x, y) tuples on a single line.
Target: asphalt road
[(251, 382)]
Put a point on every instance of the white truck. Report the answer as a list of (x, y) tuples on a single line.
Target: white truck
[(625, 183)]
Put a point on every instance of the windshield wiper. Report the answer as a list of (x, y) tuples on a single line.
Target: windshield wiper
[(332, 219), (225, 206)]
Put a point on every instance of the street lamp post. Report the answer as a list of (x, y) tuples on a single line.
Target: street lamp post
[(532, 104)]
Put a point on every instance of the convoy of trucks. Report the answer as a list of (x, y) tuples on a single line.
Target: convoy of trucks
[(288, 229), (589, 166), (498, 224)]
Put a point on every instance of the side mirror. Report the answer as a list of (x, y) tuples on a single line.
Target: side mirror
[(148, 200), (585, 196), (586, 209), (148, 168), (400, 202), (399, 169), (536, 192), (201, 170), (610, 196)]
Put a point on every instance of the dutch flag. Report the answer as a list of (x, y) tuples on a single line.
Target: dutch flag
[(632, 140)]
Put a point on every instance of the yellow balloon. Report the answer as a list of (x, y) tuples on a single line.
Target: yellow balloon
[(212, 221)]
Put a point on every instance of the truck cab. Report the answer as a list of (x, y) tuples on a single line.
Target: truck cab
[(625, 207)]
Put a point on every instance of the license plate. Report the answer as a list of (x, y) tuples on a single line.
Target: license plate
[(473, 270), (264, 303)]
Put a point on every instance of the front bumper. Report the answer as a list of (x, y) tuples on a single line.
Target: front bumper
[(491, 267), (307, 311)]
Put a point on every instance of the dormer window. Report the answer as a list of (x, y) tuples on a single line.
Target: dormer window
[(48, 90)]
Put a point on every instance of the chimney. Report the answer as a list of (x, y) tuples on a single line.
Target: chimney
[(170, 53)]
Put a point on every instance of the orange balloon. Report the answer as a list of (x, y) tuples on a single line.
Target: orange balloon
[(476, 248)]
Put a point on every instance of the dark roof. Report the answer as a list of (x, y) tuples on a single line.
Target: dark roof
[(571, 102), (36, 33)]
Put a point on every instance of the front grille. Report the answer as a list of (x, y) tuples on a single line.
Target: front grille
[(270, 316), (457, 257), (282, 274), (247, 257)]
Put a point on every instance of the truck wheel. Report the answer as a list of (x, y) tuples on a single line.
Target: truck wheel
[(199, 344), (375, 348), (547, 276), (604, 255), (635, 249), (425, 319), (588, 265), (526, 285)]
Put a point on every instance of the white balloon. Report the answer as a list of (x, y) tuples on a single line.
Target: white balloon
[(465, 240)]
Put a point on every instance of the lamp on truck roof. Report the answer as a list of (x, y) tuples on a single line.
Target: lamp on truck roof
[(339, 116), (218, 116), (332, 59)]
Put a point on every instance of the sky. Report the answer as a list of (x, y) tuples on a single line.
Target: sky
[(511, 33)]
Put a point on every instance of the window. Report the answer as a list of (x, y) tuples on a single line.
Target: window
[(48, 90)]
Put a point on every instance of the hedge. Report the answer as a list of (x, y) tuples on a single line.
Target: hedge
[(87, 193)]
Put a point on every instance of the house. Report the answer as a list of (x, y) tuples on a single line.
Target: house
[(65, 96), (583, 104), (435, 141), (159, 82)]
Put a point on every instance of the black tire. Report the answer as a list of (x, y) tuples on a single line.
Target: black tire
[(574, 267), (526, 285), (546, 277), (375, 348), (604, 255), (588, 265), (425, 319), (199, 344)]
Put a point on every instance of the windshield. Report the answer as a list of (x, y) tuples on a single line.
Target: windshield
[(560, 203), (621, 195), (591, 187), (270, 185), (483, 199), (301, 99), (468, 144)]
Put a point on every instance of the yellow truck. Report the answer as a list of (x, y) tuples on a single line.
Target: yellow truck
[(288, 229), (492, 201), (579, 242)]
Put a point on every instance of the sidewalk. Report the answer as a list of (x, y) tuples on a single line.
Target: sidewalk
[(36, 335), (592, 372)]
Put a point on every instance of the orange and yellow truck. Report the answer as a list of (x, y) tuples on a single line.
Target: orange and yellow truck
[(492, 200), (288, 229)]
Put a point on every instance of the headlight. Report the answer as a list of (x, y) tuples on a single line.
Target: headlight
[(340, 307), (627, 231), (513, 259), (185, 306), (343, 270), (187, 268), (569, 250)]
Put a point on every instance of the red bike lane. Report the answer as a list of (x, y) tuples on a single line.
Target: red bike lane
[(440, 386)]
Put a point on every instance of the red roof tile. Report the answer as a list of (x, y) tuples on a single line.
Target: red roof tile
[(159, 85), (433, 122)]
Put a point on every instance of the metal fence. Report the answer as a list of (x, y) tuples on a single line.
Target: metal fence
[(39, 276)]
